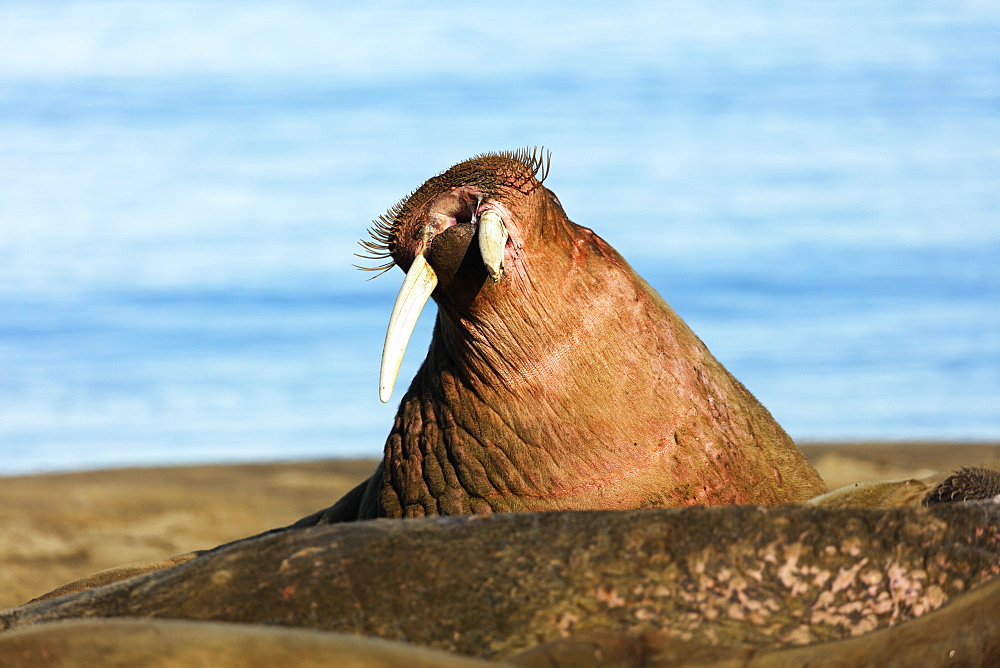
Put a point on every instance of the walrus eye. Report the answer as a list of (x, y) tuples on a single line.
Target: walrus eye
[(417, 287)]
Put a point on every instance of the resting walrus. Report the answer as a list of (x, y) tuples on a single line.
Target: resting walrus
[(556, 377)]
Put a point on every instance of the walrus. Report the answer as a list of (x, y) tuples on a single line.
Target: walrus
[(716, 579), (556, 377)]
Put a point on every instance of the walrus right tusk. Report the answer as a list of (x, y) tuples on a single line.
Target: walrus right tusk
[(493, 237), (417, 287)]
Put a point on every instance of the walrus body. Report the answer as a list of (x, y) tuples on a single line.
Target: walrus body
[(565, 382), (725, 579)]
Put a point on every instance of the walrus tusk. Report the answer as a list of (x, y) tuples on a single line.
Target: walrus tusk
[(492, 239), (417, 287)]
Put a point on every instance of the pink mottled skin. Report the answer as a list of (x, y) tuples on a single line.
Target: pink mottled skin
[(570, 384)]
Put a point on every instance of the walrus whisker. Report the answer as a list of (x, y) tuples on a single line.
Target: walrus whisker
[(538, 159), (380, 269), (379, 248)]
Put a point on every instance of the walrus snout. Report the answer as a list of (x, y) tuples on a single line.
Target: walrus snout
[(464, 207), (458, 263), (460, 206), (471, 192)]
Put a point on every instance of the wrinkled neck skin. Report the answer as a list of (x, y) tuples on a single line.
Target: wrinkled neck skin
[(571, 384)]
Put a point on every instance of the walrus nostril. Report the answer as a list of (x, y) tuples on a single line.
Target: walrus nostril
[(459, 206), (466, 215)]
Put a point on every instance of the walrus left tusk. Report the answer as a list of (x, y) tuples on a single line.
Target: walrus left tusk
[(492, 239), (417, 287)]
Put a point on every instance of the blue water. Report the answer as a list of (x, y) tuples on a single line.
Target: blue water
[(814, 187)]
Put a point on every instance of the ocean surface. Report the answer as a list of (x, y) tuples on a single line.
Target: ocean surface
[(813, 186)]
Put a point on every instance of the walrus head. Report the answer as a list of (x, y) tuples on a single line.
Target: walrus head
[(556, 378), (430, 234)]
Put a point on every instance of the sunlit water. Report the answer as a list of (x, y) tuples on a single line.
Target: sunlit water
[(815, 188)]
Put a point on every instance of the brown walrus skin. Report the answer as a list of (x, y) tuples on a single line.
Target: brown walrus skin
[(568, 384), (159, 642), (711, 578)]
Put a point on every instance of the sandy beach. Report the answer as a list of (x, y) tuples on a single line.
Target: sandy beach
[(56, 528)]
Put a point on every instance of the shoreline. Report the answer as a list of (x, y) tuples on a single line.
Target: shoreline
[(57, 527)]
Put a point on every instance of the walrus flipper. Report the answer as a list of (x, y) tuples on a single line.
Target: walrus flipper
[(970, 483), (117, 574), (361, 503)]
